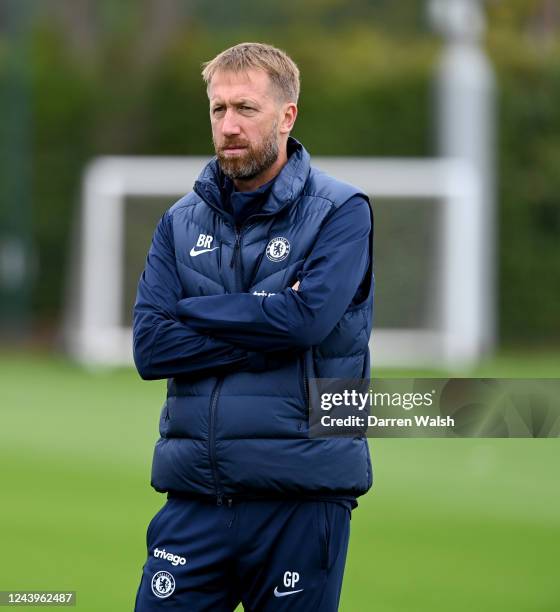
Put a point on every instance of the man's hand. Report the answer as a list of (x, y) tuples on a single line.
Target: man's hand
[(295, 286)]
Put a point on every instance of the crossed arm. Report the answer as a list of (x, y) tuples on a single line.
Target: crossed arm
[(174, 336), (163, 345)]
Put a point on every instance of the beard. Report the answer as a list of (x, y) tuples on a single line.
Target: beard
[(253, 161)]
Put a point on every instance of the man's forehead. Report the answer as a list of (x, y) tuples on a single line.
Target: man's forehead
[(252, 83)]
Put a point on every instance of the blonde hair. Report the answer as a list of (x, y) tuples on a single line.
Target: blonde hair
[(281, 69)]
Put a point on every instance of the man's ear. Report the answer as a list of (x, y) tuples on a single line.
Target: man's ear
[(288, 118)]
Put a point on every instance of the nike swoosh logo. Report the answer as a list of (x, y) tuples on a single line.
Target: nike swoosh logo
[(278, 593), (194, 253)]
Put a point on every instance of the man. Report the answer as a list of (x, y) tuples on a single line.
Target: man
[(257, 280)]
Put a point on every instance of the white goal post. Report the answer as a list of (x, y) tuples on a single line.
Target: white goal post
[(97, 335)]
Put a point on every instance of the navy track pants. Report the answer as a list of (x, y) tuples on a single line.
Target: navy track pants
[(268, 555)]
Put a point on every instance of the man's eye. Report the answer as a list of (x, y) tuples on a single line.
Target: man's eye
[(217, 109), (246, 108)]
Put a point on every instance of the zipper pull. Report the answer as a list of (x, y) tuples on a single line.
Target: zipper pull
[(219, 501), (229, 502), (235, 249)]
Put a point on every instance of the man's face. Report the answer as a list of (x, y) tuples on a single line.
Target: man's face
[(245, 116)]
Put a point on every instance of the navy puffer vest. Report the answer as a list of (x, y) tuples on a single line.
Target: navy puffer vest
[(245, 433)]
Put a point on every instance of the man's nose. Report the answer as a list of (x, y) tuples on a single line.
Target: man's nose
[(230, 123)]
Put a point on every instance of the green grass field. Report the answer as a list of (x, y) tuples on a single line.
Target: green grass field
[(451, 524)]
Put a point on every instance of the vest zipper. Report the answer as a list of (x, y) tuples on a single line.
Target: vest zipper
[(212, 440), (237, 255), (235, 248), (306, 382)]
